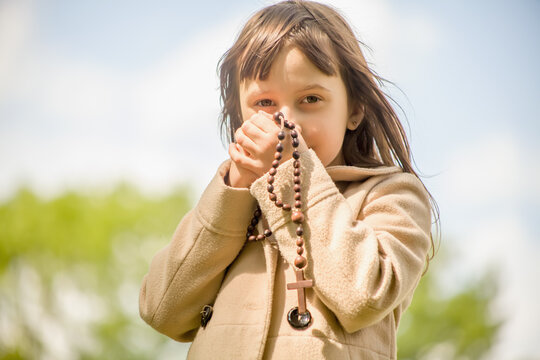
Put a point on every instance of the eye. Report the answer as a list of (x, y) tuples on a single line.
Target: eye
[(311, 99), (265, 102)]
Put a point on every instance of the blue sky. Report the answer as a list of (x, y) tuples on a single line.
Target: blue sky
[(95, 92)]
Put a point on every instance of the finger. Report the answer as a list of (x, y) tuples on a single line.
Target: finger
[(255, 128), (241, 158), (242, 151), (246, 141), (241, 139), (265, 122), (236, 153)]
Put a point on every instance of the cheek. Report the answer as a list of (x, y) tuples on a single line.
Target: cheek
[(312, 135), (327, 137), (246, 113), (243, 112)]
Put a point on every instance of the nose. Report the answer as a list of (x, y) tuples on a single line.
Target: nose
[(286, 111), (290, 115)]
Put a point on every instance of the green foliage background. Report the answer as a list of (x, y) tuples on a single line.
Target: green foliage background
[(70, 270)]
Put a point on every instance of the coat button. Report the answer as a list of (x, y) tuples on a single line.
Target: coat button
[(206, 314), (299, 321)]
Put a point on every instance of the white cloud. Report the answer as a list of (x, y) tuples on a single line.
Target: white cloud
[(85, 124), (491, 168), (482, 195), (504, 244), (75, 92), (179, 93), (15, 29), (387, 31)]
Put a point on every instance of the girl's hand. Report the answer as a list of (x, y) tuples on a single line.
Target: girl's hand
[(254, 152), (239, 177)]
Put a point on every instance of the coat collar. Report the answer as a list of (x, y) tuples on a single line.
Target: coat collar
[(354, 173)]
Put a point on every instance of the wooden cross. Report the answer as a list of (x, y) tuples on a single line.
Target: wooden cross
[(300, 285)]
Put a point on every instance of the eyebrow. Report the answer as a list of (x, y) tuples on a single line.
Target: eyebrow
[(314, 86)]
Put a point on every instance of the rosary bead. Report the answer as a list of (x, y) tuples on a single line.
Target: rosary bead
[(277, 116), (300, 241), (254, 221), (277, 155), (297, 188), (272, 197), (279, 147), (275, 164), (294, 134), (295, 142), (298, 204), (286, 207), (281, 135), (267, 233), (299, 250), (297, 196), (297, 172), (279, 203), (260, 237), (257, 213), (287, 124), (251, 228), (291, 126), (296, 164), (297, 217), (296, 154), (270, 188), (272, 171), (300, 262), (299, 232), (270, 179), (252, 238), (297, 179)]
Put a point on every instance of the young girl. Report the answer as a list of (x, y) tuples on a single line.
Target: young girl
[(310, 240)]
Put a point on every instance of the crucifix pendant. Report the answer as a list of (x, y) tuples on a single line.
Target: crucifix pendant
[(299, 317)]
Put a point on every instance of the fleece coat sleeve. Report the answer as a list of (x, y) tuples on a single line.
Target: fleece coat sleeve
[(364, 262), (187, 273)]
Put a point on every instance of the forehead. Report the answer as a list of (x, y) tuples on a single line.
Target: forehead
[(293, 61), (290, 69), (263, 49)]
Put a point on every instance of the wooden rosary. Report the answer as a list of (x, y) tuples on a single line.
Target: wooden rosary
[(299, 317)]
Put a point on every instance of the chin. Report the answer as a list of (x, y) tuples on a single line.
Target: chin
[(338, 160), (323, 160)]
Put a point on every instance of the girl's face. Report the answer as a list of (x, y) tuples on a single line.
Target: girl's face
[(314, 101)]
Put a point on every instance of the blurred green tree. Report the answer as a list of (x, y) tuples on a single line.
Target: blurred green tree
[(71, 267), (456, 326)]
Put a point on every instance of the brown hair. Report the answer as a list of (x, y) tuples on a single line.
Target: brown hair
[(326, 39)]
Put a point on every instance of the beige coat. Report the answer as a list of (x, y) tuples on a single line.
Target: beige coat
[(365, 246)]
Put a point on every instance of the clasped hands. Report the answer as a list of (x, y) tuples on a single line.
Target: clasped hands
[(253, 152)]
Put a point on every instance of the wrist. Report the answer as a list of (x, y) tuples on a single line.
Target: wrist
[(235, 179)]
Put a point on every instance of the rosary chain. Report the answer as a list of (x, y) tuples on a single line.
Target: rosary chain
[(297, 216)]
